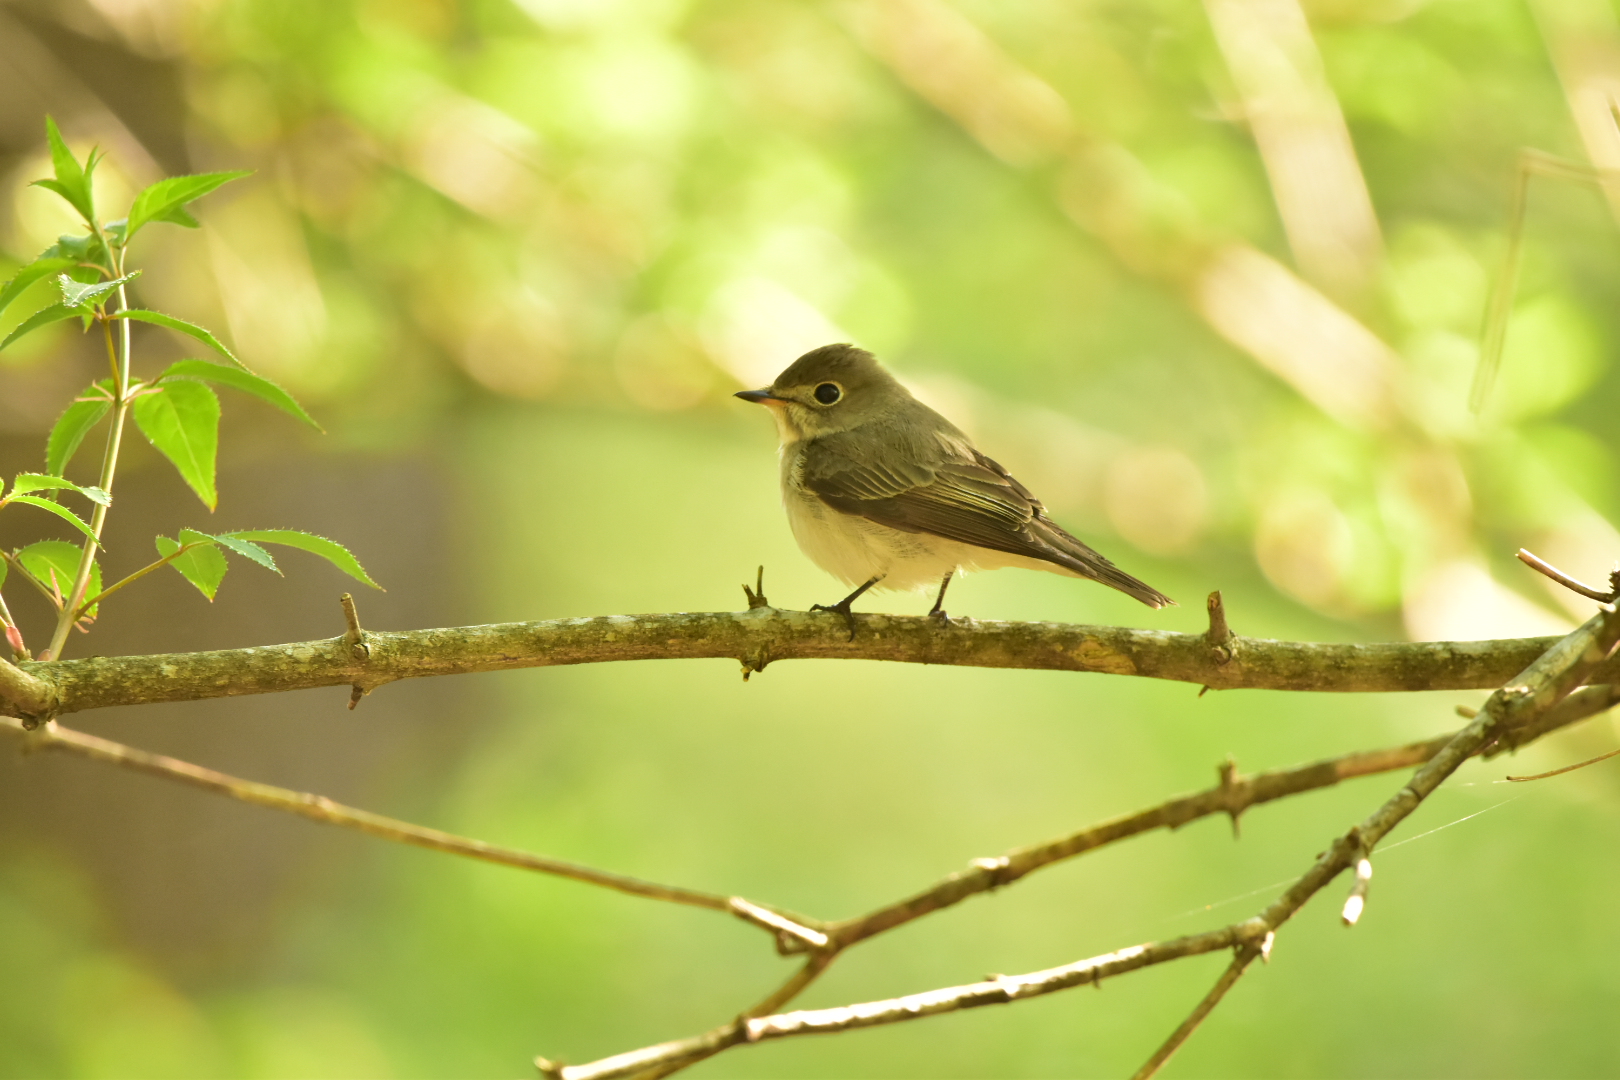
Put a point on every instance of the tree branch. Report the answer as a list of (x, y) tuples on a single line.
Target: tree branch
[(759, 637), (1000, 990), (1234, 971), (1525, 701), (319, 808)]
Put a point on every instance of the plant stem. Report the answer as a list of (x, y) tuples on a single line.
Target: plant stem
[(109, 467), (136, 576)]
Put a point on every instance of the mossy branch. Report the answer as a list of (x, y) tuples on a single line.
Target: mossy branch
[(760, 637)]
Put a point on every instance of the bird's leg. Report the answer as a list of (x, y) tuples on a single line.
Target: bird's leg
[(938, 610), (842, 607)]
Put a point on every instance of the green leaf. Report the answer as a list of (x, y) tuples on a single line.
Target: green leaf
[(181, 325), (202, 564), (56, 508), (330, 550), (249, 550), (181, 419), (87, 248), (166, 200), (53, 563), (72, 180), (77, 295), (26, 482), (239, 379), (70, 430), (43, 266), (42, 317)]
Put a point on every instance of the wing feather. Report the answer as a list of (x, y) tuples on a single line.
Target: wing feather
[(959, 495)]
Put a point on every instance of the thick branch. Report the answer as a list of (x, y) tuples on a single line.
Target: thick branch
[(22, 694), (759, 637)]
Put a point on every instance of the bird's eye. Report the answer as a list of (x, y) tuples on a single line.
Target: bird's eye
[(828, 393)]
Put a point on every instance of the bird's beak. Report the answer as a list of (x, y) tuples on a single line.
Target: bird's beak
[(758, 397)]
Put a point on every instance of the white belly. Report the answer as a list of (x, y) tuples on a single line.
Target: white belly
[(856, 550)]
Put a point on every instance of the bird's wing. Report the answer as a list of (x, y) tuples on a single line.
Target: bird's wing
[(970, 499), (962, 496)]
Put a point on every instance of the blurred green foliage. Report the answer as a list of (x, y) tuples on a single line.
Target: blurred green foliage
[(546, 239)]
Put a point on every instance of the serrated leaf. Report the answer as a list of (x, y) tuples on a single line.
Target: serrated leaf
[(26, 482), (181, 419), (249, 550), (42, 317), (53, 563), (202, 565), (160, 319), (86, 248), (56, 508), (44, 266), (72, 179), (238, 379), (70, 430), (330, 550), (77, 294), (166, 199)]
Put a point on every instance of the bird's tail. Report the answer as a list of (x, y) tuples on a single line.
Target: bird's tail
[(1071, 554)]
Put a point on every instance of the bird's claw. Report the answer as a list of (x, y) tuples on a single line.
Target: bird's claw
[(940, 617), (841, 609)]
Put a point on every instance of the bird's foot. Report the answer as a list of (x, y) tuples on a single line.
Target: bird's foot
[(842, 608), (939, 616)]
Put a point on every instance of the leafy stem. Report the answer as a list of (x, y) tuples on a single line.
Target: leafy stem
[(74, 605), (86, 605)]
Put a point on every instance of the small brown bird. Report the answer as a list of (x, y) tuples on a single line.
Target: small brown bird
[(883, 492)]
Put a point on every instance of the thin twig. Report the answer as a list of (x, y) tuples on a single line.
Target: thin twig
[(1233, 795), (1566, 768), (1234, 971), (1536, 563), (1000, 990), (319, 808), (1533, 692)]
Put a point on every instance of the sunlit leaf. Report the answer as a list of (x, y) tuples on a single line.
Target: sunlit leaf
[(166, 200), (70, 430), (56, 508), (239, 379), (202, 564), (249, 550), (181, 419), (41, 267), (72, 179), (53, 563), (77, 294), (160, 319), (43, 317), (26, 482), (330, 550)]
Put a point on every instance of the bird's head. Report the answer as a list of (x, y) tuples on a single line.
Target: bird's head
[(828, 390)]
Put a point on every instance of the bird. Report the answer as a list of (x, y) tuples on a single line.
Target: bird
[(883, 492)]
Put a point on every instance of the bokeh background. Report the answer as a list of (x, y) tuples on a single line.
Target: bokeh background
[(1210, 279)]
